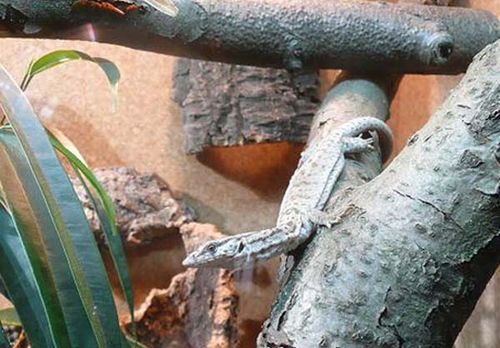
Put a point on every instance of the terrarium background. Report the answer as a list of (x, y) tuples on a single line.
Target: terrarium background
[(238, 188)]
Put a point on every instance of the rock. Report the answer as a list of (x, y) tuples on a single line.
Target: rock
[(145, 206)]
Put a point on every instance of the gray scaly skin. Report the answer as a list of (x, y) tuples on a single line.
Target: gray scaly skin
[(305, 198)]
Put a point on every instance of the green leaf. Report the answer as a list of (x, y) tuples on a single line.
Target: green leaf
[(24, 261), (8, 316), (87, 173), (133, 343), (113, 75), (107, 217), (107, 224), (56, 58), (3, 289), (73, 234), (4, 341)]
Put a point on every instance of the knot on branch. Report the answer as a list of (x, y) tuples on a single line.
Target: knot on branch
[(438, 48)]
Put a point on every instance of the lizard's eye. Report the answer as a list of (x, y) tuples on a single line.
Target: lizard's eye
[(211, 248), (241, 246)]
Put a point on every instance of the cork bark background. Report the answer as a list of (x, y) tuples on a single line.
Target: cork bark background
[(237, 188)]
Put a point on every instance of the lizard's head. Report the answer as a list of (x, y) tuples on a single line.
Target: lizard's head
[(224, 253)]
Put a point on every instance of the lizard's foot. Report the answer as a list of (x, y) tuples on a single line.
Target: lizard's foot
[(357, 144), (236, 251)]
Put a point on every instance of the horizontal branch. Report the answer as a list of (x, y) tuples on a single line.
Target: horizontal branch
[(414, 247), (295, 34)]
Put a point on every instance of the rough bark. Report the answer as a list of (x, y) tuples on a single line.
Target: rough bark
[(227, 105), (145, 206), (354, 35), (199, 309), (416, 246)]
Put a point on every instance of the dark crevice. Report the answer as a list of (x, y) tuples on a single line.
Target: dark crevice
[(446, 216)]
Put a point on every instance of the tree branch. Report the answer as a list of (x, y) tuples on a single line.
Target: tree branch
[(353, 35), (415, 246)]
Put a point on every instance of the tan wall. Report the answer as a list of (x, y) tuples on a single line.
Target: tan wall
[(146, 133)]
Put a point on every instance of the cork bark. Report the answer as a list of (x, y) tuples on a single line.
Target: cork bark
[(199, 309), (228, 105), (146, 208)]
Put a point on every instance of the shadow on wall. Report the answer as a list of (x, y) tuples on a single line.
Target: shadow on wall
[(151, 266), (263, 168), (88, 139)]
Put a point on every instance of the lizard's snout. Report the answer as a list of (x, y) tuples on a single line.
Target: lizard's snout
[(189, 261)]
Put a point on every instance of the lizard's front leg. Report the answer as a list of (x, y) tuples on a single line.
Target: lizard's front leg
[(235, 251)]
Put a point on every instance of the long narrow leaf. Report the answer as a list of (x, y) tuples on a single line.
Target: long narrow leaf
[(73, 231), (87, 173), (63, 139), (106, 214), (113, 74), (107, 218), (113, 239), (8, 315), (24, 265), (58, 57), (133, 343), (3, 289), (4, 341)]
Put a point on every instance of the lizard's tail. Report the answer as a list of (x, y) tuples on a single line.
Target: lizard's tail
[(235, 251)]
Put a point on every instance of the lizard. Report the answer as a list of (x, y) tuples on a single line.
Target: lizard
[(305, 198)]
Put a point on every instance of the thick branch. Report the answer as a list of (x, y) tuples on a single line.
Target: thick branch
[(416, 246), (354, 35)]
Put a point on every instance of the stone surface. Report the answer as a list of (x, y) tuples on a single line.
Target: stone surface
[(227, 105)]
